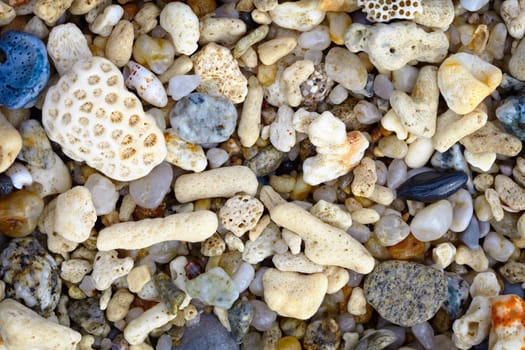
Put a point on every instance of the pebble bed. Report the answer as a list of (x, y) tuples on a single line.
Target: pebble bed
[(262, 175)]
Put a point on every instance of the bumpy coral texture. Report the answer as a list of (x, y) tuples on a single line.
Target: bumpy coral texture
[(95, 119), (386, 10)]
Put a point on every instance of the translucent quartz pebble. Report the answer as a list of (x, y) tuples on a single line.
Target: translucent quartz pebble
[(149, 191), (182, 85), (471, 234), (25, 72), (431, 186), (425, 334), (263, 317), (103, 193)]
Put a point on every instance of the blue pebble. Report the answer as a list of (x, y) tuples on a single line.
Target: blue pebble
[(512, 288), (471, 234), (431, 186), (209, 333), (512, 115), (6, 185), (458, 292), (25, 72)]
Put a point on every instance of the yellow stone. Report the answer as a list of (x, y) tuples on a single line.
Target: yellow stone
[(288, 343)]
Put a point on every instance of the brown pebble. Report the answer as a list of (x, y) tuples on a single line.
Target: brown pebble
[(407, 249), (143, 213), (202, 7)]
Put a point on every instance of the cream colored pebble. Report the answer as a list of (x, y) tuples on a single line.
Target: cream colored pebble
[(436, 14), (332, 214), (50, 11), (261, 17), (365, 177), (324, 244), (104, 299), (365, 216), (282, 183), (482, 208), (293, 241), (240, 214), (510, 193), (81, 7), (473, 327), (66, 45), (295, 263), (2, 290), (382, 195), (273, 50), (512, 12), (265, 5), (291, 294), (105, 21), (182, 24), (481, 161), (391, 147), (120, 43), (292, 78), (119, 305), (495, 204), (86, 342), (419, 152), (22, 329), (392, 122), (54, 180), (443, 255), (452, 127), (485, 284), (346, 69), (11, 143), (146, 19), (250, 121), (222, 182), (475, 258), (249, 59), (182, 65), (75, 214), (517, 62), (357, 302), (282, 132), (74, 270), (233, 242), (137, 330), (138, 277), (224, 31), (187, 227), (337, 278), (302, 15), (107, 267), (127, 207), (255, 232), (7, 14)]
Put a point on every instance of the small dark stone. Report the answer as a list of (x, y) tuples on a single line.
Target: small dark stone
[(322, 335), (458, 292), (376, 340), (240, 317), (246, 17), (207, 334), (512, 288), (471, 234), (266, 161), (87, 314), (193, 268), (287, 166), (512, 115), (168, 292), (405, 293), (6, 185), (431, 186)]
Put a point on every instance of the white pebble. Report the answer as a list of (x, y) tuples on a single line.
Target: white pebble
[(182, 85), (433, 221), (217, 157), (473, 5), (498, 247), (463, 210), (383, 87), (149, 191), (338, 95), (256, 287), (103, 193), (367, 113), (316, 39), (19, 175), (243, 276), (263, 317)]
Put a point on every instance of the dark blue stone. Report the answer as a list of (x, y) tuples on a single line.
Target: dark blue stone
[(6, 185), (25, 72), (483, 346), (431, 186), (471, 234), (512, 115), (458, 292), (207, 334), (512, 288)]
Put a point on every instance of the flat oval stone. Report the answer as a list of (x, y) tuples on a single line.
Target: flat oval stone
[(512, 115), (200, 118), (25, 72), (405, 293), (431, 186)]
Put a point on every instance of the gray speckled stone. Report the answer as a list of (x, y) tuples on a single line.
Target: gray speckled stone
[(201, 119), (240, 317), (376, 340), (405, 293), (266, 161), (207, 334), (87, 314)]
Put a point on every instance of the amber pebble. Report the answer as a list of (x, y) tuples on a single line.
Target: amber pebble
[(365, 318), (130, 10), (409, 248), (142, 213), (19, 213), (288, 343), (230, 261), (202, 7), (441, 322), (293, 327)]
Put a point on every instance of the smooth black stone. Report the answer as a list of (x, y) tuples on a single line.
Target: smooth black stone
[(431, 186), (6, 185), (207, 334)]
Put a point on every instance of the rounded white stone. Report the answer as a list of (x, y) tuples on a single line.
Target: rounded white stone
[(433, 221)]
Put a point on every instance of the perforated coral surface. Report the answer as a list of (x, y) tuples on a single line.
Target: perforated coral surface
[(386, 10), (95, 119)]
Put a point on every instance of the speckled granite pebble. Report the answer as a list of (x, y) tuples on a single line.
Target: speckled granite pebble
[(87, 314), (322, 335), (266, 161), (405, 293), (240, 317)]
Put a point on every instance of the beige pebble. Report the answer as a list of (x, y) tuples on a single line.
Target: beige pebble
[(75, 214), (11, 143), (465, 80), (291, 294), (365, 177), (222, 182), (223, 31), (240, 214), (357, 302), (22, 329), (485, 284), (452, 127), (495, 205), (337, 278), (182, 154), (74, 270), (436, 14), (255, 232), (126, 209), (273, 50), (512, 12), (138, 277), (249, 59), (231, 83), (146, 19), (474, 258), (392, 147), (482, 161), (86, 342), (392, 122), (292, 78), (213, 246), (182, 65), (293, 241), (491, 138), (119, 305), (137, 330), (517, 62), (482, 208), (187, 227), (295, 263), (332, 214), (51, 10), (7, 14), (2, 290), (250, 121), (105, 21), (382, 195), (419, 152), (182, 24), (265, 5), (443, 255), (104, 299), (510, 192), (483, 181), (474, 326), (233, 242), (81, 7), (346, 69), (54, 180), (261, 17), (324, 244), (300, 15), (120, 43), (365, 216), (107, 267), (250, 40)]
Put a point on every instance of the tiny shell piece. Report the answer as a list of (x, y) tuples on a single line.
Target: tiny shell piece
[(147, 85)]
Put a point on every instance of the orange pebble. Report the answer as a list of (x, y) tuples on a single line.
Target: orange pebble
[(508, 323), (408, 248)]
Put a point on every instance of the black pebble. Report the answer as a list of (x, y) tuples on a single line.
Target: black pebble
[(6, 185), (431, 186)]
